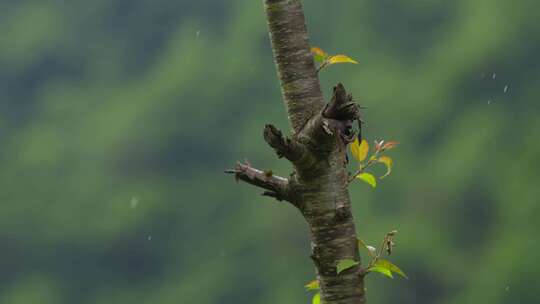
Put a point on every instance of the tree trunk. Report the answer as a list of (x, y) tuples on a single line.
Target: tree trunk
[(317, 149)]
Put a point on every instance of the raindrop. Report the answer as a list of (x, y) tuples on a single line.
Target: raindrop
[(198, 33), (507, 289), (149, 238), (489, 101), (494, 76), (134, 202), (505, 89)]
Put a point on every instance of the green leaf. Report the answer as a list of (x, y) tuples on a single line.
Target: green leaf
[(316, 299), (359, 149), (346, 264), (388, 162), (341, 59), (384, 266), (382, 270), (355, 147), (396, 269), (313, 285), (368, 178), (318, 54)]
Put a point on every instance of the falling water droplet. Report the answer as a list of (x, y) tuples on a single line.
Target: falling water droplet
[(507, 288), (494, 76), (198, 33), (489, 101), (134, 202), (149, 237), (505, 89)]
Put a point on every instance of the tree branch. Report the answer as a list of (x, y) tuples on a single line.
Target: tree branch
[(342, 106), (333, 122), (290, 148), (296, 69), (278, 187), (284, 146), (345, 110)]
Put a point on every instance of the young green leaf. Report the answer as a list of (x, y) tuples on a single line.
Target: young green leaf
[(388, 162), (313, 285), (363, 150), (396, 269), (316, 299), (381, 264), (341, 59), (368, 178), (318, 54), (355, 148), (346, 264), (382, 270), (359, 150)]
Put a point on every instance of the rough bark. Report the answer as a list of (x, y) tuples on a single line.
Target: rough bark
[(296, 70), (317, 149)]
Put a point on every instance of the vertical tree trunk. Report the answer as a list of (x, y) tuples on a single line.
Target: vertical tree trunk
[(317, 149)]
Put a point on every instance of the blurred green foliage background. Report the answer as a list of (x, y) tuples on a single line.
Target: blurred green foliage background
[(117, 118)]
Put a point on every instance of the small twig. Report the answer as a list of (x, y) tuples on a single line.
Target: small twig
[(276, 186), (363, 168), (387, 244), (284, 146), (324, 64)]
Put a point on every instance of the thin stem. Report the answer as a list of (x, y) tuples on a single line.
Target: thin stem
[(384, 246), (363, 168), (324, 64)]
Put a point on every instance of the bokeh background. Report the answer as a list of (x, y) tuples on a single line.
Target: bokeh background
[(118, 117)]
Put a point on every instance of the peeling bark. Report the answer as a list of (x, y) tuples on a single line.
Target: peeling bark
[(318, 151)]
